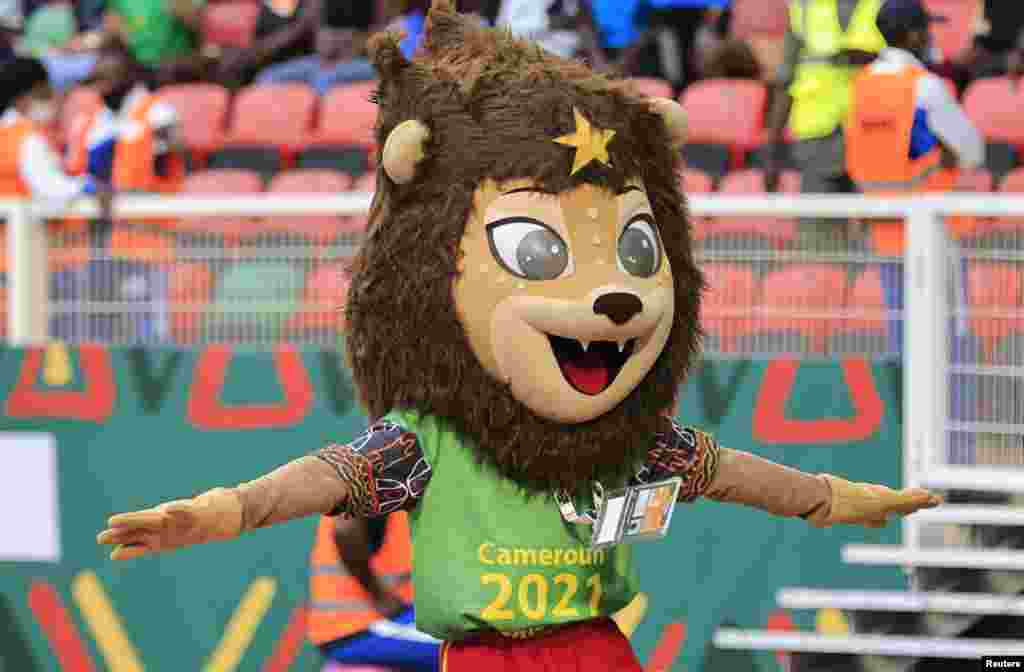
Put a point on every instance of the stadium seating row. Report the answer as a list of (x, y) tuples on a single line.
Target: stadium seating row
[(270, 127), (817, 308)]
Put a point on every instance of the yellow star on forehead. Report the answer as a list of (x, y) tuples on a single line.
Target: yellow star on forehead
[(591, 143)]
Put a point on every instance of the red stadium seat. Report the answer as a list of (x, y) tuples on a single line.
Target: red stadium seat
[(955, 35), (230, 24), (792, 309), (994, 106), (220, 183), (270, 123), (1004, 226), (696, 182), (650, 86), (865, 331), (320, 228), (344, 137), (323, 300), (759, 18), (774, 231), (727, 303), (203, 112), (994, 293), (347, 117), (727, 112), (280, 115), (190, 291)]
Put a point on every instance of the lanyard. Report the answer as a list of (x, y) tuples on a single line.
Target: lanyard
[(568, 509)]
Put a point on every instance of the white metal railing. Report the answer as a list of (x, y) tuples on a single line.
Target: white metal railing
[(880, 600)]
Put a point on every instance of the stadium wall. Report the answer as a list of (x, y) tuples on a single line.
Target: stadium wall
[(133, 427)]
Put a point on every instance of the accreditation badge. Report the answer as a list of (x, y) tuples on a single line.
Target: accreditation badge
[(625, 516), (637, 513)]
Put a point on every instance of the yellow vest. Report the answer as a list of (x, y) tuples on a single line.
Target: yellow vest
[(820, 89)]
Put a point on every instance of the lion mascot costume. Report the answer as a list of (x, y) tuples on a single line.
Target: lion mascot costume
[(521, 315)]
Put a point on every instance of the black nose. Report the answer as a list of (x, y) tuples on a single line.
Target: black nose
[(620, 307)]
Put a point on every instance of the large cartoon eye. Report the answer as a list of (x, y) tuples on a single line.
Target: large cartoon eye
[(639, 249), (528, 249)]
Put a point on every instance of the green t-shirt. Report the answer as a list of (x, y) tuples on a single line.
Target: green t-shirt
[(486, 556), (155, 34)]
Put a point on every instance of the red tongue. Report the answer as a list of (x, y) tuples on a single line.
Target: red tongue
[(588, 374)]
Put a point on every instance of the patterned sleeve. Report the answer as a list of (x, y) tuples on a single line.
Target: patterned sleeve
[(685, 452), (384, 469)]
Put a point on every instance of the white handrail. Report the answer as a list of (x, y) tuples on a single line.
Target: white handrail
[(873, 645), (956, 558), (983, 479), (972, 514), (257, 205), (883, 600)]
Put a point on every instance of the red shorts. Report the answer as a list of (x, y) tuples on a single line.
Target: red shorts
[(590, 646)]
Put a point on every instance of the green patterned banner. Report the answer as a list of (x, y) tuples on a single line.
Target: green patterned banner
[(135, 427)]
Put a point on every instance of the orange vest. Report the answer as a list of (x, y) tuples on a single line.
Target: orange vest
[(878, 150), (11, 138), (133, 168), (339, 607)]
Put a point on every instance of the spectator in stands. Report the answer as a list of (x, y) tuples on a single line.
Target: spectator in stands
[(159, 33), (340, 51), (11, 25), (28, 166), (676, 24), (285, 31), (732, 59), (412, 22), (999, 44), (823, 52), (132, 141), (907, 133), (50, 34), (550, 23)]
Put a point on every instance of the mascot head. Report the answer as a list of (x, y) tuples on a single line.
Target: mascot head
[(528, 272)]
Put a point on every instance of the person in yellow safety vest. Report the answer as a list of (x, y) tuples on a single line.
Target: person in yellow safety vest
[(906, 134), (827, 43), (361, 595)]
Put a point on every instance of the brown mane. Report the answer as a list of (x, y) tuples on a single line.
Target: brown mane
[(493, 105)]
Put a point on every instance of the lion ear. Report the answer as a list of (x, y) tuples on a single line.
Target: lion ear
[(674, 116), (404, 150)]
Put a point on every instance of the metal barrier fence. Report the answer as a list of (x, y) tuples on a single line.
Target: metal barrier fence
[(785, 279)]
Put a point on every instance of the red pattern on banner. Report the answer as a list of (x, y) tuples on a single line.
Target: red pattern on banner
[(772, 426), (55, 621), (288, 647), (780, 621), (667, 649), (93, 404), (207, 411)]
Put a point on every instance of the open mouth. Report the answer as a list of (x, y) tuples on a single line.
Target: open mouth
[(591, 369)]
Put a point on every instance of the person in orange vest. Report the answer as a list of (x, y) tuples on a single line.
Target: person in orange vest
[(361, 595), (28, 165), (906, 134), (133, 139)]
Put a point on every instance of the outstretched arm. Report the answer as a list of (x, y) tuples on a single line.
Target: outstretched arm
[(381, 471), (734, 476)]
